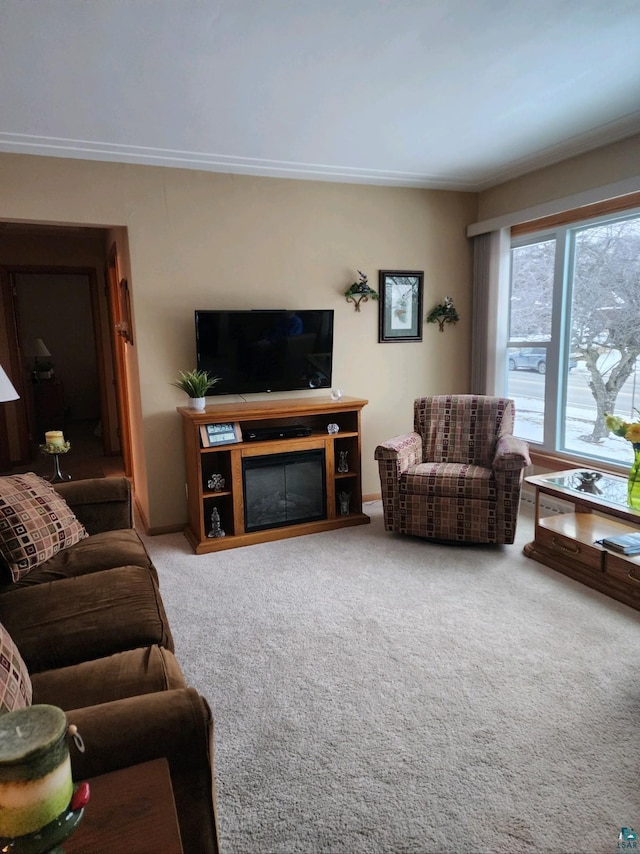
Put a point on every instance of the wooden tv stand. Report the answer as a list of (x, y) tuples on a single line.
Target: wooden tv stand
[(226, 460)]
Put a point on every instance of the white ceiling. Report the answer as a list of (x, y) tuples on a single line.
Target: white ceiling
[(451, 94)]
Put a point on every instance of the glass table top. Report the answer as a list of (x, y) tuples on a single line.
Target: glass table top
[(607, 488)]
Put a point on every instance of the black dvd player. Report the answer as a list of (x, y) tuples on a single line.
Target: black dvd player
[(260, 434)]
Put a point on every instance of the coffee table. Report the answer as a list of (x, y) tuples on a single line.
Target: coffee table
[(592, 505), (129, 810)]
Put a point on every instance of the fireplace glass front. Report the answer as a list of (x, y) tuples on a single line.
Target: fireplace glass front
[(283, 489)]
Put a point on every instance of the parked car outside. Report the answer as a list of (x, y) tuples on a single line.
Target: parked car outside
[(532, 359)]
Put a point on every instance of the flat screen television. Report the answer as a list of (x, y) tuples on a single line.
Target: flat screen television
[(261, 351)]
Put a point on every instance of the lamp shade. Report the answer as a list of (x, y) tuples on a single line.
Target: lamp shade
[(40, 349), (7, 391)]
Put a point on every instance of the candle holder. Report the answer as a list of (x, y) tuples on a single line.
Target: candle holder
[(55, 451), (48, 839)]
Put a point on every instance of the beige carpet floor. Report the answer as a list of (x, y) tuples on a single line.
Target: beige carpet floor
[(377, 693)]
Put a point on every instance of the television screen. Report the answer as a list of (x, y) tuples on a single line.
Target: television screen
[(260, 351)]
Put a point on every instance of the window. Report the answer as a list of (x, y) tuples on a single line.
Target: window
[(574, 336)]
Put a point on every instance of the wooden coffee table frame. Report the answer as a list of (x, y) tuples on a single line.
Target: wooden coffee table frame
[(567, 541)]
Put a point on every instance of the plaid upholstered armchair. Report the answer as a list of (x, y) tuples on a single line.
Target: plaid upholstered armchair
[(458, 476)]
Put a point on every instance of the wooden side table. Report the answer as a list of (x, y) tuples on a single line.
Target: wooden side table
[(129, 810)]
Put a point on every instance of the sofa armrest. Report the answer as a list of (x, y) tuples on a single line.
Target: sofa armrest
[(100, 503), (176, 725), (511, 454)]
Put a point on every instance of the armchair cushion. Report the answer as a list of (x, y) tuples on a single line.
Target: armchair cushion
[(35, 523), (457, 480), (462, 428)]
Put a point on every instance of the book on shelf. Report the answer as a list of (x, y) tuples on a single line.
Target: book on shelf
[(626, 544)]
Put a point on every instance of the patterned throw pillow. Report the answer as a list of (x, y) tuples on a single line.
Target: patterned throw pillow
[(35, 523), (15, 685)]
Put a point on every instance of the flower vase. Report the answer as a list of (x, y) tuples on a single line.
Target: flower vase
[(633, 484), (197, 403)]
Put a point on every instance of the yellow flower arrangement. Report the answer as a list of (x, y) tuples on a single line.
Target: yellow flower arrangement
[(628, 430)]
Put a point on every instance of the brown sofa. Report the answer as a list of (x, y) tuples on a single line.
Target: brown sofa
[(91, 628)]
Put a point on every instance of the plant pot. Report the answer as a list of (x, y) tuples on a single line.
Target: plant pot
[(197, 403)]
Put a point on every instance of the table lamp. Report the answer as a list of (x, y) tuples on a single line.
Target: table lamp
[(7, 391), (42, 366)]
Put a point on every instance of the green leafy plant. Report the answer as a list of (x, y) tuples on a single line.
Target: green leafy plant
[(360, 291), (195, 383), (361, 287), (443, 313)]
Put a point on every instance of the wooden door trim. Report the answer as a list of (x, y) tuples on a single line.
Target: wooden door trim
[(118, 347)]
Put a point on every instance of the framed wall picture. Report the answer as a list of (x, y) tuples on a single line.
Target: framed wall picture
[(400, 305), (220, 434)]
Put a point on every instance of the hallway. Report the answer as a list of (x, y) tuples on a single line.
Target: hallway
[(84, 459)]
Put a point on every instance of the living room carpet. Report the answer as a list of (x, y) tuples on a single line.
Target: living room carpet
[(378, 693)]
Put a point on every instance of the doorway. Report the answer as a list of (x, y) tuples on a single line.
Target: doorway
[(59, 353)]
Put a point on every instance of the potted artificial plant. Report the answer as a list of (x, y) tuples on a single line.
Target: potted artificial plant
[(196, 384)]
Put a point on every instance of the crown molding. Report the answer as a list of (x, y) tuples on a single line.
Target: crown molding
[(210, 162), (605, 134), (82, 149)]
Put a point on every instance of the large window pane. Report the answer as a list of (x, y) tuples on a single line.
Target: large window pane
[(526, 387), (532, 276), (573, 350), (604, 337), (532, 268)]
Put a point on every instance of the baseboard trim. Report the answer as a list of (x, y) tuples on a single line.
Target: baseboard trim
[(164, 529)]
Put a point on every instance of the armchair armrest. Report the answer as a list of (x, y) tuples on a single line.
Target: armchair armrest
[(394, 457), (405, 450), (100, 503), (174, 724), (511, 454)]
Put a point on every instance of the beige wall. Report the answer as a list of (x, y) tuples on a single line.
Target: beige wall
[(599, 168), (204, 240)]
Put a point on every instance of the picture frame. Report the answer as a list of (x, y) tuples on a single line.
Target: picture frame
[(212, 435), (400, 311)]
